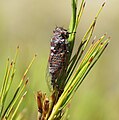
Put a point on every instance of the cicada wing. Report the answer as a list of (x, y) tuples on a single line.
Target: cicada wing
[(48, 78)]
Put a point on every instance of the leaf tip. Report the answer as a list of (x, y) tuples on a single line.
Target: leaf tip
[(18, 47), (84, 4), (35, 55), (27, 81), (104, 3)]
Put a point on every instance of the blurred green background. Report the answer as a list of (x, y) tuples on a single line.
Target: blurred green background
[(29, 24)]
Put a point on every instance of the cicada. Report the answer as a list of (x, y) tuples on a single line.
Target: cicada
[(58, 57)]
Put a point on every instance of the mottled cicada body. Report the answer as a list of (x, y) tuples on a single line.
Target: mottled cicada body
[(58, 58)]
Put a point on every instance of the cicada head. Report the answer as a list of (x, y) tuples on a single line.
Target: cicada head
[(60, 31)]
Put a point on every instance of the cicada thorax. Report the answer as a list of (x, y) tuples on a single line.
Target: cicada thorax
[(58, 58)]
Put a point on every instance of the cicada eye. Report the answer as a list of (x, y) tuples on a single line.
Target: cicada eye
[(65, 35)]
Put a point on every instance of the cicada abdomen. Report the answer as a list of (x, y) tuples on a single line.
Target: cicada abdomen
[(58, 58)]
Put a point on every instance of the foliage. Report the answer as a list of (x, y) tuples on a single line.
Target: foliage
[(56, 107), (10, 111)]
